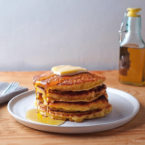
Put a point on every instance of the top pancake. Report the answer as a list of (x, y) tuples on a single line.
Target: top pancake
[(77, 82)]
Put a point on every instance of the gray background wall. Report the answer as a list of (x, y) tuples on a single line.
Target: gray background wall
[(37, 34)]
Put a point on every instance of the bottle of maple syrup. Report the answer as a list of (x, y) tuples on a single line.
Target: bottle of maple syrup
[(132, 50)]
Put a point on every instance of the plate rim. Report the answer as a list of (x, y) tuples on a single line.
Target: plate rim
[(125, 119)]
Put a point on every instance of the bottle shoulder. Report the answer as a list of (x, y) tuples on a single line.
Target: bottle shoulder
[(133, 40)]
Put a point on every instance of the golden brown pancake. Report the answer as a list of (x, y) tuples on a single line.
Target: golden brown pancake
[(69, 96), (78, 82), (100, 103), (79, 106), (77, 116)]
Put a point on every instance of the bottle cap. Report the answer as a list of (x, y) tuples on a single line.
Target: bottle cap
[(133, 12)]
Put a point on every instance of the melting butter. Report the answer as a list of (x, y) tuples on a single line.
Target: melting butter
[(35, 116), (63, 70)]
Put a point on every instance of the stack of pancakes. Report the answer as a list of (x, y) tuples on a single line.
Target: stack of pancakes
[(75, 97)]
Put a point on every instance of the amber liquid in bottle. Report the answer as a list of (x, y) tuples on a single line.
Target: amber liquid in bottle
[(132, 65)]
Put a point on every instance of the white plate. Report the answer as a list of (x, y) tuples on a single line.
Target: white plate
[(125, 107)]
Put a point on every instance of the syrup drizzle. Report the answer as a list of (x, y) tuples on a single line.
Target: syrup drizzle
[(33, 115)]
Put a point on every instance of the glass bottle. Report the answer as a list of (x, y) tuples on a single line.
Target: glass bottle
[(132, 50)]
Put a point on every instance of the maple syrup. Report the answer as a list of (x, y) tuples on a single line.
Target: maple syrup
[(132, 66), (34, 115)]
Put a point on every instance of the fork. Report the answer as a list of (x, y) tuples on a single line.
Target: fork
[(12, 86)]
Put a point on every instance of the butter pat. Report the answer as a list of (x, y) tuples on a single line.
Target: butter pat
[(64, 70)]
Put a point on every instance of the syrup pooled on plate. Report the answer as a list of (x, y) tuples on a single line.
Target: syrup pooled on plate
[(37, 117)]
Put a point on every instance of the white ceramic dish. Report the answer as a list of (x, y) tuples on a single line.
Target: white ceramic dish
[(125, 107)]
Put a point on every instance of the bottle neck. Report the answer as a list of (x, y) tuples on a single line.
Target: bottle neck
[(133, 32), (134, 25)]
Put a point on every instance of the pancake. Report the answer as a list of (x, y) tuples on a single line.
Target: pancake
[(77, 116), (100, 103), (77, 82), (69, 96)]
